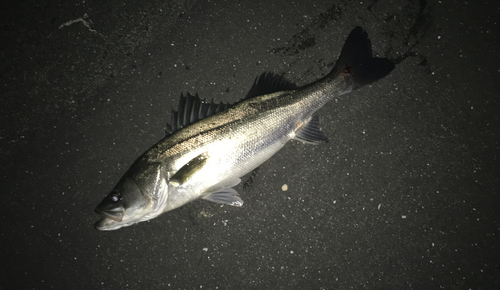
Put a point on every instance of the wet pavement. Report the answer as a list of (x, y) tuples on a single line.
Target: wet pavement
[(405, 195)]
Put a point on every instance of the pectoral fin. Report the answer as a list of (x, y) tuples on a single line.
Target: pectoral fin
[(189, 169)]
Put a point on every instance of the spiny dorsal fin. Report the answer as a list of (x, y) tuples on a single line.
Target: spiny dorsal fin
[(192, 109), (268, 83)]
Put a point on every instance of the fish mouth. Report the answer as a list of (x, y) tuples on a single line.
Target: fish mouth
[(114, 214)]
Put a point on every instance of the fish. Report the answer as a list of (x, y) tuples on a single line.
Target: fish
[(210, 146)]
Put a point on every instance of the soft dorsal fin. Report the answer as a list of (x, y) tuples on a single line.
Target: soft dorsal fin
[(192, 109), (268, 83)]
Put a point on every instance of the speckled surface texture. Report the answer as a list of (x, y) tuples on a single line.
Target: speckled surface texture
[(406, 195)]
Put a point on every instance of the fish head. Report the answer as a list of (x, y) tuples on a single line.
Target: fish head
[(140, 195)]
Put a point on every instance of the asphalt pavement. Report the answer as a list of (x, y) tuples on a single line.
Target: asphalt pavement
[(405, 195)]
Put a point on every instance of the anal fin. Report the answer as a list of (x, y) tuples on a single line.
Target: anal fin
[(310, 132)]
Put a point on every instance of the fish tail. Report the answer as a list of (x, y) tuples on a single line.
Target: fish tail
[(356, 60)]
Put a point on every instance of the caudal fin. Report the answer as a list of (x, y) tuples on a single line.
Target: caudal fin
[(356, 60)]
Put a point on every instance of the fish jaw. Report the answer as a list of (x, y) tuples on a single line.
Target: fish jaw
[(115, 214), (125, 218), (109, 224)]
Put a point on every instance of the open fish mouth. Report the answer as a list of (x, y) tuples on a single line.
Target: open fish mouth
[(116, 215), (111, 221)]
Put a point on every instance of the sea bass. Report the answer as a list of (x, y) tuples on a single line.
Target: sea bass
[(211, 146)]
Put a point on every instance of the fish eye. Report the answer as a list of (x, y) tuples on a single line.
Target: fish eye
[(115, 196)]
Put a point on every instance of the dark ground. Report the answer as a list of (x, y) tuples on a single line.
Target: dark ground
[(404, 196)]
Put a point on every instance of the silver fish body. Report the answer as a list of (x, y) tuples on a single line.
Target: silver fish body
[(206, 158)]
